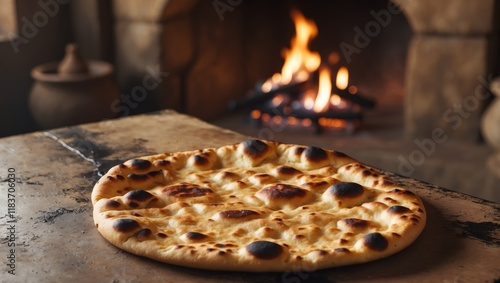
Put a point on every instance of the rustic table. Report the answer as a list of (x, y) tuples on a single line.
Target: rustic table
[(48, 235)]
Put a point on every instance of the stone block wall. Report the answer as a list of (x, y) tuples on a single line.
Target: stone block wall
[(203, 53), (450, 60)]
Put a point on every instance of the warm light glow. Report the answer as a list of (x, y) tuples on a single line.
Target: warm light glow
[(299, 57), (267, 86), (335, 100), (291, 120), (300, 62), (332, 123), (277, 119), (342, 80), (353, 89), (309, 99), (277, 100), (276, 77), (308, 103), (266, 118), (306, 122), (334, 58), (255, 114), (324, 90), (302, 75)]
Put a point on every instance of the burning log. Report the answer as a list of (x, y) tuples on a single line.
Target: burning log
[(257, 97), (305, 114), (356, 99)]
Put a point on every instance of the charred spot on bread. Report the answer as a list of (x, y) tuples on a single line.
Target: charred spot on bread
[(140, 164), (315, 154), (113, 203), (195, 236), (282, 191), (355, 223), (125, 225), (235, 214), (299, 150), (255, 148), (162, 163), (264, 249), (375, 241), (346, 190), (398, 209), (143, 177), (139, 195), (143, 234), (138, 177), (186, 190), (342, 250), (227, 175), (287, 170), (200, 160)]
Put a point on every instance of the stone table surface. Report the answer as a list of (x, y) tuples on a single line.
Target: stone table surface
[(47, 232)]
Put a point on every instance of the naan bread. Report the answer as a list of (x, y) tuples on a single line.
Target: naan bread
[(255, 206)]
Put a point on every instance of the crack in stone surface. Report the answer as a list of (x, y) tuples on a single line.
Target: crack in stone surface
[(49, 216), (92, 160)]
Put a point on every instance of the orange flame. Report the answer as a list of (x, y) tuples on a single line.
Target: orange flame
[(324, 95), (324, 90), (342, 80), (300, 62), (299, 59)]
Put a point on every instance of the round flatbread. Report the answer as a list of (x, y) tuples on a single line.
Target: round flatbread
[(255, 206)]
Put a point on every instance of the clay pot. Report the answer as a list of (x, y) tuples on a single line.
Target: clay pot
[(490, 123), (72, 92), (490, 126)]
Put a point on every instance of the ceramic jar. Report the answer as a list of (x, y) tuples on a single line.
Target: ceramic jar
[(490, 126), (72, 91)]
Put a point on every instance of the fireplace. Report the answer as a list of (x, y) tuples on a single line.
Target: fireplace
[(215, 53), (304, 95)]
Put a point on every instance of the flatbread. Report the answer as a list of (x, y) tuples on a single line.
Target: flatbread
[(256, 206)]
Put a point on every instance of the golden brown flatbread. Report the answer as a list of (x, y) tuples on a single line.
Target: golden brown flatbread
[(255, 206)]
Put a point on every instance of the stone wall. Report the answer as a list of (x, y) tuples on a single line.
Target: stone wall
[(205, 56), (450, 60)]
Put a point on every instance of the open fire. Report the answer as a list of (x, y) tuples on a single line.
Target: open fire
[(303, 95)]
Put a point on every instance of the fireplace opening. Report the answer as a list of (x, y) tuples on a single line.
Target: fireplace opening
[(360, 44), (310, 91)]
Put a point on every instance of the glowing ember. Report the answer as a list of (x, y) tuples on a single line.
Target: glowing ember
[(255, 114), (353, 89)]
